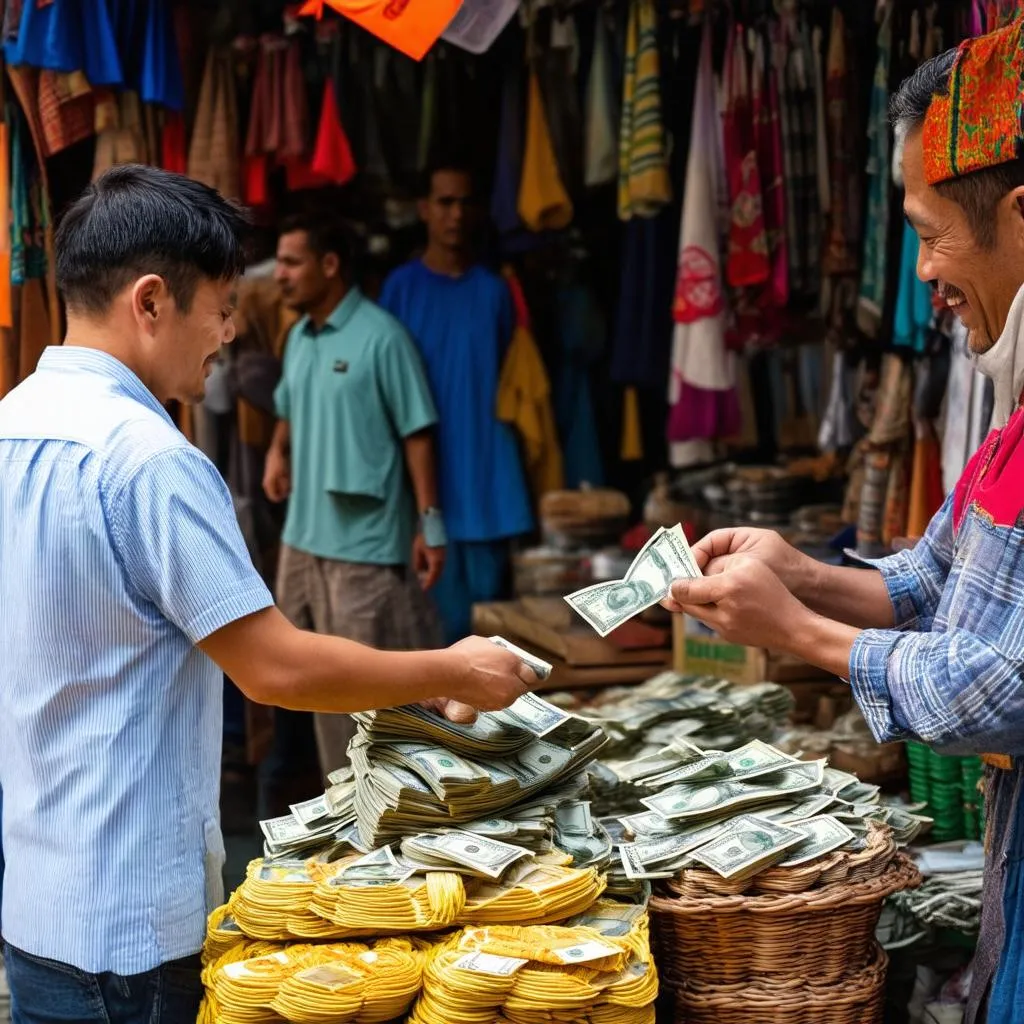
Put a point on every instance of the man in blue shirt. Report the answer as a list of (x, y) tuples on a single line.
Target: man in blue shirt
[(460, 316), (125, 591), (353, 452)]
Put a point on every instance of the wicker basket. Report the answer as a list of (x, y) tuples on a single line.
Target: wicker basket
[(840, 866), (823, 934), (859, 999)]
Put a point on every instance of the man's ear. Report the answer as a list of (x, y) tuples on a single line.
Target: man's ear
[(149, 301)]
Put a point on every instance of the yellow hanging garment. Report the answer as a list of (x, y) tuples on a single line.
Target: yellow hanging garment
[(524, 401), (632, 434), (544, 204)]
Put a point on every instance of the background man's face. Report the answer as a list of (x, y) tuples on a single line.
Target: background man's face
[(300, 273), (446, 210)]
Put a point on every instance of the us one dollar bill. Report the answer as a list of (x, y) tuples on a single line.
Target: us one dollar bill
[(540, 667), (822, 835), (750, 845), (666, 557)]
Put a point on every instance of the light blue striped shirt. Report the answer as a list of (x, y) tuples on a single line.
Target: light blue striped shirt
[(119, 551)]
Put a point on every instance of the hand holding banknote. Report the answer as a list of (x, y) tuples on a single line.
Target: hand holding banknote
[(744, 603)]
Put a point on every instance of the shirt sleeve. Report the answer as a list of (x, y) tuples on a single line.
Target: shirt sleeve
[(915, 577), (174, 527), (403, 382)]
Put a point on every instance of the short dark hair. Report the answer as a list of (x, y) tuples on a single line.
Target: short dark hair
[(136, 220), (323, 235), (442, 167), (977, 193)]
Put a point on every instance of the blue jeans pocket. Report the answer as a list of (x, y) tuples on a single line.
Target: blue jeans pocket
[(45, 991)]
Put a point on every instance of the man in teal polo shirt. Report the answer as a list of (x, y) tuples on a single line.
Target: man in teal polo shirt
[(353, 452)]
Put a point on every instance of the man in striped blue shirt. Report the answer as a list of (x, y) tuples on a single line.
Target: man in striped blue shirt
[(125, 591)]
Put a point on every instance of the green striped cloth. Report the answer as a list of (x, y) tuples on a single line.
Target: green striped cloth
[(644, 185)]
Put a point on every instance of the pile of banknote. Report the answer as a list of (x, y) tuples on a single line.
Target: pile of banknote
[(742, 811), (503, 776), (664, 558)]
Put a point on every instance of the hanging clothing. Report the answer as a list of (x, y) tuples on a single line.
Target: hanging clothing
[(914, 313), (601, 156), (213, 154), (125, 139), (581, 332), (747, 262), (524, 400), (173, 149), (644, 185), (871, 301), (543, 200), (800, 160), (556, 70), (509, 163), (332, 154), (66, 110), (958, 444), (926, 494), (768, 145), (701, 392), (160, 79), (839, 256), (68, 35)]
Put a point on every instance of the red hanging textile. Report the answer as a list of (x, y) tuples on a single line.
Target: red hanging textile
[(332, 154), (173, 151), (747, 260)]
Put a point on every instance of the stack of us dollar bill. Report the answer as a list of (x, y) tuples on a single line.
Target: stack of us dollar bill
[(742, 811), (664, 558)]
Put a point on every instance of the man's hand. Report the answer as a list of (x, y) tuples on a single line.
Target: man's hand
[(744, 602), (453, 710), (488, 677), (277, 475), (427, 561), (791, 566)]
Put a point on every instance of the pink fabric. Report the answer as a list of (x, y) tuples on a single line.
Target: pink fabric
[(703, 414)]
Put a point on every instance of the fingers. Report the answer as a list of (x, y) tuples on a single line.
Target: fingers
[(713, 545), (462, 714), (704, 590), (527, 676)]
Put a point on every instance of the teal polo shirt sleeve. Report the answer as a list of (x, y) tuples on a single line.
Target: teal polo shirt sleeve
[(404, 386)]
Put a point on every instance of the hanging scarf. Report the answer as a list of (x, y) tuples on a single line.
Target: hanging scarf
[(1003, 364), (701, 389), (768, 143), (644, 186), (839, 256), (876, 236), (747, 262)]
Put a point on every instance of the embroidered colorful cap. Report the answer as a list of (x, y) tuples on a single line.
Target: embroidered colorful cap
[(979, 123)]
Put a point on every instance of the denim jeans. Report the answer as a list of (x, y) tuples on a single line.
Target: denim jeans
[(48, 992)]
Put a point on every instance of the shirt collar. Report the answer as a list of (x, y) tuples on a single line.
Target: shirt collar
[(340, 316), (78, 359)]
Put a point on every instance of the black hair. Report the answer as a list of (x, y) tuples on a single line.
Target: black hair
[(978, 193), (136, 220), (324, 234), (440, 167)]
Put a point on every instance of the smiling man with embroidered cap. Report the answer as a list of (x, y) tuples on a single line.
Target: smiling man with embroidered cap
[(933, 642)]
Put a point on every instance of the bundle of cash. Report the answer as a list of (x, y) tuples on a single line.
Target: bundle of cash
[(740, 812), (414, 785), (664, 558)]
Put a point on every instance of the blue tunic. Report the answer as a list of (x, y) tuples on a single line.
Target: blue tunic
[(462, 327)]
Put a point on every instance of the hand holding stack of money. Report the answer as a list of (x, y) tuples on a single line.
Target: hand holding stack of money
[(664, 558)]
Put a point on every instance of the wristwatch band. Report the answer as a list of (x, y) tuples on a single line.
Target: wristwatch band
[(432, 527)]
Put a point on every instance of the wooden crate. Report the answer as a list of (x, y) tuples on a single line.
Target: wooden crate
[(710, 656)]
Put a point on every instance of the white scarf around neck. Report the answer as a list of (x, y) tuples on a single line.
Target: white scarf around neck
[(1003, 364)]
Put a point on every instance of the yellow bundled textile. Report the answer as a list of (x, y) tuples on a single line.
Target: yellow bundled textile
[(222, 934), (271, 893), (596, 970), (309, 984), (316, 901)]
